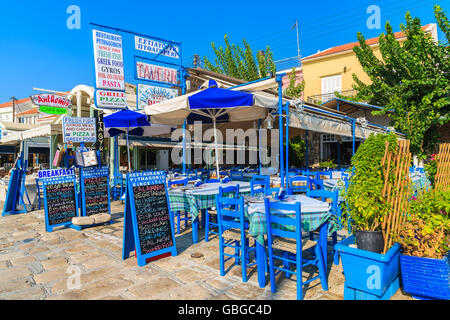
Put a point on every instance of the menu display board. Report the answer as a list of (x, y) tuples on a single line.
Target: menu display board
[(148, 223), (60, 201), (95, 190)]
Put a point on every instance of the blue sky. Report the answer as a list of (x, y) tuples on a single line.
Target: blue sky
[(38, 50)]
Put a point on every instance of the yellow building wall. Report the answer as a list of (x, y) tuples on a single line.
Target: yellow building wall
[(315, 70)]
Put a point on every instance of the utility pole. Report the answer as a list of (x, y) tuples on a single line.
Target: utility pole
[(298, 44), (14, 109), (196, 60)]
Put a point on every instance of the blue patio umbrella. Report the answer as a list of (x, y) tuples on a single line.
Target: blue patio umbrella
[(126, 119)]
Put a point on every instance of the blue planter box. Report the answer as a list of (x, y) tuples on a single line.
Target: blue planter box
[(369, 275), (426, 278)]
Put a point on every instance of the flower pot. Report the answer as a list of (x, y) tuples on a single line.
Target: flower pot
[(369, 275), (426, 278), (370, 241)]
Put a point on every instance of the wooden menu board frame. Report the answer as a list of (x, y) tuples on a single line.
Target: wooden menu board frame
[(57, 180), (93, 172), (131, 237)]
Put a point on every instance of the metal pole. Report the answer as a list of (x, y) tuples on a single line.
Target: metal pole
[(259, 146), (217, 150), (128, 150), (353, 136), (298, 45), (307, 149), (280, 125), (184, 147), (287, 145)]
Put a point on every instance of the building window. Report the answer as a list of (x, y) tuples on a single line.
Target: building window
[(330, 85)]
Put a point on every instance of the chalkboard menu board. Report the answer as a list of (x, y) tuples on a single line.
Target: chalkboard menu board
[(60, 201), (147, 216), (95, 190)]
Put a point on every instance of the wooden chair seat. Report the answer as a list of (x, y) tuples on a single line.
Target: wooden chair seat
[(291, 245), (234, 234)]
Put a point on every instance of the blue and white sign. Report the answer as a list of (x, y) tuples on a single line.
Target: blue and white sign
[(149, 95), (55, 173), (156, 47)]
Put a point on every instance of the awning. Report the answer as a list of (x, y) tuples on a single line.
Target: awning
[(330, 125), (189, 145), (43, 131)]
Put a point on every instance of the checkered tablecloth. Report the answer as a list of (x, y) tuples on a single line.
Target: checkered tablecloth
[(314, 214), (193, 201)]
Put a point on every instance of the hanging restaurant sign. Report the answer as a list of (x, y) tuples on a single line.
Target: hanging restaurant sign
[(51, 103), (156, 47), (108, 56), (111, 99), (149, 95), (79, 130), (145, 71)]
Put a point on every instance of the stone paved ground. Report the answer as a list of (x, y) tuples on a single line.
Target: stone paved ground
[(37, 265)]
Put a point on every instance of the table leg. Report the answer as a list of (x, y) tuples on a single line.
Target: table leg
[(323, 234), (195, 230), (261, 264)]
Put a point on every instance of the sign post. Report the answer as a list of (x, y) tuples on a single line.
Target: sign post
[(148, 224)]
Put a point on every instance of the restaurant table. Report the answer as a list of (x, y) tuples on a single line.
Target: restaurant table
[(195, 199), (316, 215), (419, 182)]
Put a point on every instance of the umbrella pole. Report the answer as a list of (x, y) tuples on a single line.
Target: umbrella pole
[(128, 151), (216, 148)]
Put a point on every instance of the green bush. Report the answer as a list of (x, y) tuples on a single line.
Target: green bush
[(366, 207)]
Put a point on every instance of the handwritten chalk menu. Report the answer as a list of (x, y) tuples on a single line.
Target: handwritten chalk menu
[(148, 223), (95, 190), (60, 201)]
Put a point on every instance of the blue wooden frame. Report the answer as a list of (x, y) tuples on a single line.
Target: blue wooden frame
[(130, 233), (92, 172), (16, 189), (55, 180)]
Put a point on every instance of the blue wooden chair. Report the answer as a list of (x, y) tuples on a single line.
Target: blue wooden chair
[(261, 180), (254, 190), (232, 234), (185, 214), (271, 191), (298, 180), (232, 191), (236, 175), (315, 184), (331, 197), (291, 245), (39, 194), (308, 173), (320, 175), (212, 180)]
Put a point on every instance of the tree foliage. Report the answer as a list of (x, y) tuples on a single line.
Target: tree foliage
[(412, 79), (241, 63)]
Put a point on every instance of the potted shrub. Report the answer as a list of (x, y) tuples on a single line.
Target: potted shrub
[(368, 273), (327, 165), (425, 241)]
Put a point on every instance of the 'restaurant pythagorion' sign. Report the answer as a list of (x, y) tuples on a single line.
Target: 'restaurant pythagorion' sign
[(51, 103)]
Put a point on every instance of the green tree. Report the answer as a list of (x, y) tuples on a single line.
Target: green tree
[(412, 79), (240, 63)]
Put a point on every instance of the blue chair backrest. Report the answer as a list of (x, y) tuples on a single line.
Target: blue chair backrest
[(261, 180), (236, 175), (308, 173), (229, 189), (298, 188), (315, 184), (275, 218), (323, 195), (212, 180), (230, 213), (271, 191), (324, 175), (254, 190), (177, 182)]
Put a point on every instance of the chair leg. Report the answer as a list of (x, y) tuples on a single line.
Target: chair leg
[(335, 253), (237, 253), (299, 271), (221, 250), (322, 271), (207, 217), (244, 258), (273, 287), (178, 222), (286, 264)]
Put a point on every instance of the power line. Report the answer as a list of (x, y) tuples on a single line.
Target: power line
[(348, 26)]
